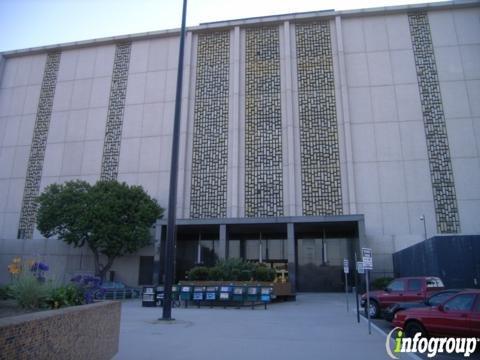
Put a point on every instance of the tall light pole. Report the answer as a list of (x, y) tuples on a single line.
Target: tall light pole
[(172, 197), (422, 218)]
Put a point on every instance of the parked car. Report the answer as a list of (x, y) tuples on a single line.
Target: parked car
[(407, 289), (434, 300), (116, 290), (457, 316)]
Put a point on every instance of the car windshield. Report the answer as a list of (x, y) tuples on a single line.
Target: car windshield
[(438, 299)]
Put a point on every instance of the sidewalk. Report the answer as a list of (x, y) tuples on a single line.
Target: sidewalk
[(316, 326)]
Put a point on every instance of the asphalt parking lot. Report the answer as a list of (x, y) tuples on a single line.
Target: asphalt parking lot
[(316, 326)]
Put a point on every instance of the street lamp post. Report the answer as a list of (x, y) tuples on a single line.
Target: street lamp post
[(422, 218), (172, 198)]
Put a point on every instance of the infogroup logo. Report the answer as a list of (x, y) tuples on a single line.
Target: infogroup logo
[(430, 346)]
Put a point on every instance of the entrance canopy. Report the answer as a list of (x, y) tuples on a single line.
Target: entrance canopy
[(312, 248)]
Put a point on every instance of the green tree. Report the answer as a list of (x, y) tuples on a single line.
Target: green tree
[(113, 219)]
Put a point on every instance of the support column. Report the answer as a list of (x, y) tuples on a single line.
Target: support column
[(223, 242), (291, 251)]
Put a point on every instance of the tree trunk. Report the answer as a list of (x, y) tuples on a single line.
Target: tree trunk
[(104, 269), (100, 269)]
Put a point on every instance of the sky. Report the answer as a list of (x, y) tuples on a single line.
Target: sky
[(30, 23)]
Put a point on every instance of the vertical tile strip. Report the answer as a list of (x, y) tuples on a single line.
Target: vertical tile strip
[(210, 136), (37, 149), (443, 184), (263, 124), (320, 157), (116, 107)]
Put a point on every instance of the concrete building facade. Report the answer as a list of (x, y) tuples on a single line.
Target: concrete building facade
[(303, 136)]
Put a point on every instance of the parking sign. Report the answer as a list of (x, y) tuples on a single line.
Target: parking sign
[(367, 258), (360, 268), (345, 266)]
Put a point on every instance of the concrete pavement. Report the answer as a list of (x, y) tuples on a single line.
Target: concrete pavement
[(316, 326)]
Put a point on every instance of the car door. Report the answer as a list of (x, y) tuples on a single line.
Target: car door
[(475, 319), (415, 291), (395, 294), (454, 319)]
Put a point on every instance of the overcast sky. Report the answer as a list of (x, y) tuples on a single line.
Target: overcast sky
[(28, 23)]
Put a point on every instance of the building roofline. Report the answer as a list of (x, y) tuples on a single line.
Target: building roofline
[(270, 19)]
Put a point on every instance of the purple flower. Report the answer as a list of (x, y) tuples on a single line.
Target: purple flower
[(39, 266)]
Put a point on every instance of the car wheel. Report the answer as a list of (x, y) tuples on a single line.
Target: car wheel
[(413, 328), (373, 310)]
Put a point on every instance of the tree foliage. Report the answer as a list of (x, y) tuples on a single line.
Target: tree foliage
[(113, 219)]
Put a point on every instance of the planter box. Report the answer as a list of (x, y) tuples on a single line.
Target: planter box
[(279, 289), (77, 332)]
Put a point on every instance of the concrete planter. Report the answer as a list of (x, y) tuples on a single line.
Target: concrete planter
[(78, 332)]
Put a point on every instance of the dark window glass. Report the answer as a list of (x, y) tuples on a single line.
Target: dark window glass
[(462, 302), (439, 298), (415, 285), (397, 285)]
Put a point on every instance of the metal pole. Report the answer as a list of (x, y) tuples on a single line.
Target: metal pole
[(346, 290), (356, 289), (422, 218), (172, 198), (425, 227), (368, 301)]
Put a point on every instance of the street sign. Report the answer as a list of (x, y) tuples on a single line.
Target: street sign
[(345, 266), (367, 258), (360, 268)]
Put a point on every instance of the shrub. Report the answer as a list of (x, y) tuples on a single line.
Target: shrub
[(199, 273), (67, 295), (245, 275), (88, 286), (262, 273), (215, 274), (5, 292), (381, 283), (29, 292), (232, 270)]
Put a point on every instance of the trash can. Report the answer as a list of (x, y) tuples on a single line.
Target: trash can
[(148, 296)]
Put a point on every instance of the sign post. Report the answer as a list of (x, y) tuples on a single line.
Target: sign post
[(367, 265), (356, 286), (345, 271)]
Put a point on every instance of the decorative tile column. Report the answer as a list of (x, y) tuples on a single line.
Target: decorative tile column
[(263, 124), (320, 157), (208, 197), (443, 184), (116, 107), (37, 149)]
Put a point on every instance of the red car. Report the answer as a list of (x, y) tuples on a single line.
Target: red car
[(457, 316), (407, 289)]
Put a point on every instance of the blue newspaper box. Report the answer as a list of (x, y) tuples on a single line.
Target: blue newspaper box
[(225, 293), (186, 294), (211, 293), (266, 295)]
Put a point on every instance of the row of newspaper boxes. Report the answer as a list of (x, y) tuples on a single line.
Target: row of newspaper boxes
[(209, 295)]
